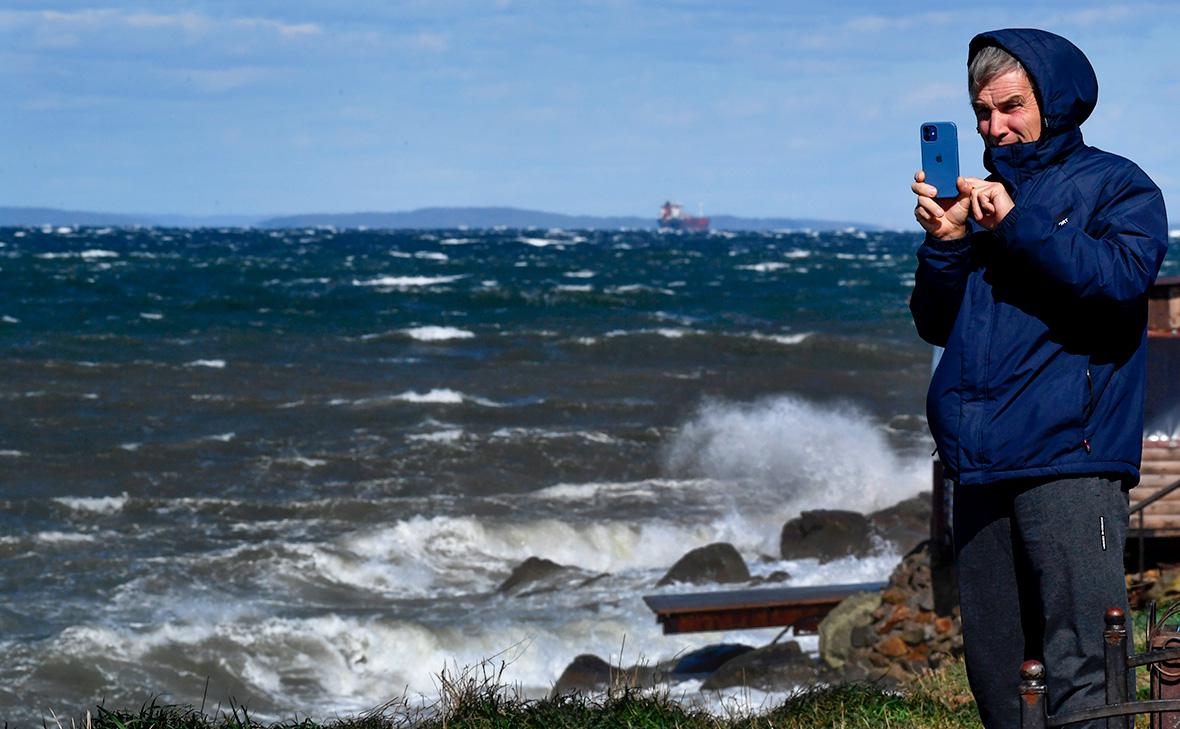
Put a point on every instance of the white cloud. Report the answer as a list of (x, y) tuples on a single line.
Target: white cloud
[(936, 92), (220, 80), (56, 21), (429, 42)]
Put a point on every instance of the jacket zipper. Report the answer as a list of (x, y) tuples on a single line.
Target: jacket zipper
[(1089, 409)]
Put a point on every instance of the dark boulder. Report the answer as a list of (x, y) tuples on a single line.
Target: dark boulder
[(704, 661), (906, 523), (585, 673), (827, 535), (776, 667), (532, 575), (716, 563)]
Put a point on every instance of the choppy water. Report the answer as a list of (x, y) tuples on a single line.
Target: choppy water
[(298, 463)]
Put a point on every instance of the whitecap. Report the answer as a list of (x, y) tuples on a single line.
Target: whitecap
[(150, 315), (440, 396), (401, 282), (766, 267), (438, 436), (305, 462), (541, 242), (783, 338), (94, 504), (217, 364), (437, 333), (55, 537)]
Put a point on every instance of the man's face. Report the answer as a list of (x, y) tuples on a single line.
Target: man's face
[(1006, 110)]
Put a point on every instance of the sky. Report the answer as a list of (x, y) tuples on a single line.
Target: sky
[(603, 107)]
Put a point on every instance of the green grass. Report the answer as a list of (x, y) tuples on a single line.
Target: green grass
[(476, 699)]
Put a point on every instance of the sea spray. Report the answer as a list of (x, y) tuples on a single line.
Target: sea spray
[(786, 454)]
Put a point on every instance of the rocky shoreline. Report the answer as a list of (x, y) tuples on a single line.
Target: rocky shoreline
[(886, 638)]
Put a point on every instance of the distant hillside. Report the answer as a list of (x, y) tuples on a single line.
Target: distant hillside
[(518, 218), (14, 216), (52, 216), (438, 217)]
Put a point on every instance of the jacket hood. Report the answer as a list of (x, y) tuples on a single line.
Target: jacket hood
[(1062, 76)]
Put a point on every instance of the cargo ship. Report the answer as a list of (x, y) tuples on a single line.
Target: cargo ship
[(672, 217)]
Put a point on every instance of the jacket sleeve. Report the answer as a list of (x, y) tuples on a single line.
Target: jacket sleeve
[(1117, 264), (939, 284)]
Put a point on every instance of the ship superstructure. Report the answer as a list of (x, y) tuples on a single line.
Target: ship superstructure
[(673, 217)]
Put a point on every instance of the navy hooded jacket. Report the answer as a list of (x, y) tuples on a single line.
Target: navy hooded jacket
[(1044, 317)]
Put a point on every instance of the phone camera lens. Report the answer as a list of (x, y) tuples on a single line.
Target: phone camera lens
[(930, 133)]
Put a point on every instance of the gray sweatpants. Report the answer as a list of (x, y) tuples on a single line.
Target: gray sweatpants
[(1039, 562)]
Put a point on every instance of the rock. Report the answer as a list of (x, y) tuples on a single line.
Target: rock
[(836, 629), (718, 562), (892, 647), (704, 661), (776, 576), (862, 635), (585, 673), (531, 574), (906, 524), (776, 667), (914, 635), (826, 535)]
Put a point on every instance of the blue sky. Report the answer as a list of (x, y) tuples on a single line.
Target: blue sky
[(605, 107)]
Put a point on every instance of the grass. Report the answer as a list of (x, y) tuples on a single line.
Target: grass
[(477, 699)]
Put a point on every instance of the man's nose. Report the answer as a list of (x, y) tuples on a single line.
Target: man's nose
[(997, 125)]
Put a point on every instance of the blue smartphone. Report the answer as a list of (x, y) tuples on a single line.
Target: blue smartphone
[(940, 156)]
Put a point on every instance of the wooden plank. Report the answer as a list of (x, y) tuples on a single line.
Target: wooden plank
[(1161, 507), (1154, 521), (1155, 453), (801, 607), (1156, 480)]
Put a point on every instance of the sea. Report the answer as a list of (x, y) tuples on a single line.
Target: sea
[(289, 469)]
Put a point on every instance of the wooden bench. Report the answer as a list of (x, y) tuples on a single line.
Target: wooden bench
[(799, 607)]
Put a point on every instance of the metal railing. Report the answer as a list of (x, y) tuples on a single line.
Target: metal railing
[(1139, 507), (1120, 705)]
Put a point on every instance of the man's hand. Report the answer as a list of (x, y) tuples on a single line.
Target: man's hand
[(946, 218), (943, 218), (990, 201)]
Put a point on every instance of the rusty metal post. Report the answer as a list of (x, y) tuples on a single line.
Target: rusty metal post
[(1115, 640), (1033, 713)]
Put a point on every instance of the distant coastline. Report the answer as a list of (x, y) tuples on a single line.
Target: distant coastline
[(434, 217)]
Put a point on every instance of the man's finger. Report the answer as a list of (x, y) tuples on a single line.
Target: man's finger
[(930, 206), (920, 176), (919, 188), (976, 209)]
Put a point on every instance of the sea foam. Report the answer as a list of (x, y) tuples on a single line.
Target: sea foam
[(798, 455), (437, 333)]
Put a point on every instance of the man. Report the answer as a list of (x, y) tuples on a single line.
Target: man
[(1035, 282)]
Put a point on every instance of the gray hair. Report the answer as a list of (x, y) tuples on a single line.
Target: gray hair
[(989, 62)]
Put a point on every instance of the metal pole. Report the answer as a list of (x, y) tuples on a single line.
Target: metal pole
[(1115, 639), (1033, 714)]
